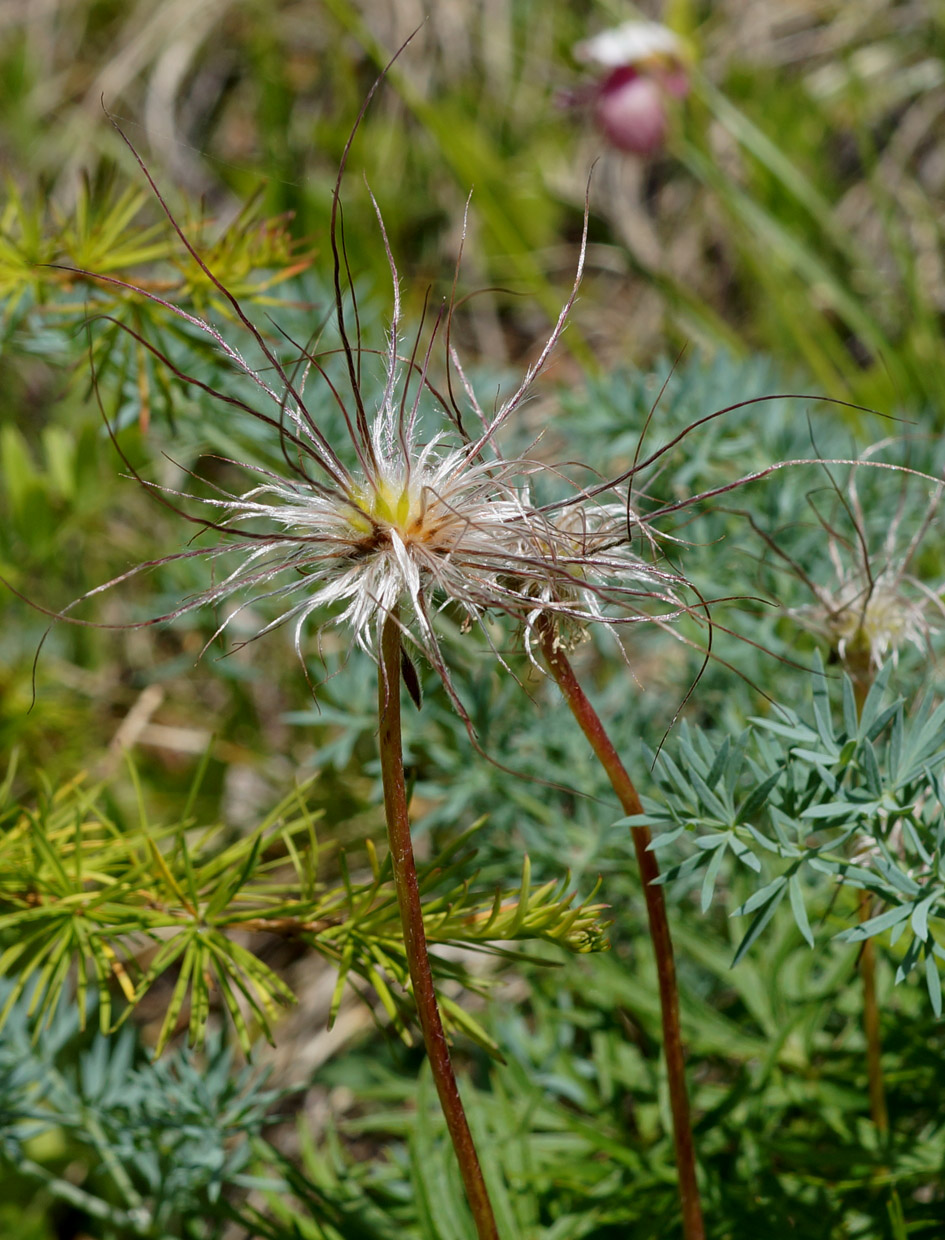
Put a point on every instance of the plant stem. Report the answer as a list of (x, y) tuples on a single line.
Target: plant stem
[(859, 667), (415, 942), (592, 727), (137, 1221)]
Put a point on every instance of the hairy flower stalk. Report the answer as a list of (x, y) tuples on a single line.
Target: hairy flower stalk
[(378, 529), (591, 725), (411, 916)]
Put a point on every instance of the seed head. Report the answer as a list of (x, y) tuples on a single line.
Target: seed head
[(876, 604), (396, 520)]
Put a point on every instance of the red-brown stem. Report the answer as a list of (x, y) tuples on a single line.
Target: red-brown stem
[(592, 727), (415, 941), (859, 665)]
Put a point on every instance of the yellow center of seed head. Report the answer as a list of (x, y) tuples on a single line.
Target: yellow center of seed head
[(387, 504), (391, 505)]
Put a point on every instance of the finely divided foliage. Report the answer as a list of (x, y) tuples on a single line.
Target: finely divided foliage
[(796, 801), (127, 903)]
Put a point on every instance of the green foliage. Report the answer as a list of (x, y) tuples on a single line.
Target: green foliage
[(796, 213), (81, 890), (157, 1143), (576, 1119), (868, 331), (855, 799)]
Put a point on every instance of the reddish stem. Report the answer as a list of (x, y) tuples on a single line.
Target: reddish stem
[(858, 663), (415, 942), (592, 727)]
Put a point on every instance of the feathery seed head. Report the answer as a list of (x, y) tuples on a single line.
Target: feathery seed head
[(866, 620), (869, 613), (390, 523)]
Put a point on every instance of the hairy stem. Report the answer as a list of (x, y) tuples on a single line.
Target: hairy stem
[(415, 942), (859, 666), (592, 727)]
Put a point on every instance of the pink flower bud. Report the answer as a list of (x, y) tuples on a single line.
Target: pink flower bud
[(645, 65), (631, 112)]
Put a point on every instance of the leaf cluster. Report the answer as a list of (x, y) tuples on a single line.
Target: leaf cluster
[(62, 271), (122, 906), (161, 1141), (47, 254), (849, 795)]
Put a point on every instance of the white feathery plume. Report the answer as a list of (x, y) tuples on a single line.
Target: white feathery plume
[(420, 523), (869, 613)]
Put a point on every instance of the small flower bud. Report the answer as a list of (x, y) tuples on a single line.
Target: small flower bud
[(630, 112), (645, 66)]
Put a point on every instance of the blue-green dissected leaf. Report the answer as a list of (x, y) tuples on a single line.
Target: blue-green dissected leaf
[(876, 925), (711, 875), (799, 908), (920, 915), (775, 894), (761, 896), (933, 981), (757, 798)]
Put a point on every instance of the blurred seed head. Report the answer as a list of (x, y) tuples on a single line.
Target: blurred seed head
[(877, 605)]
